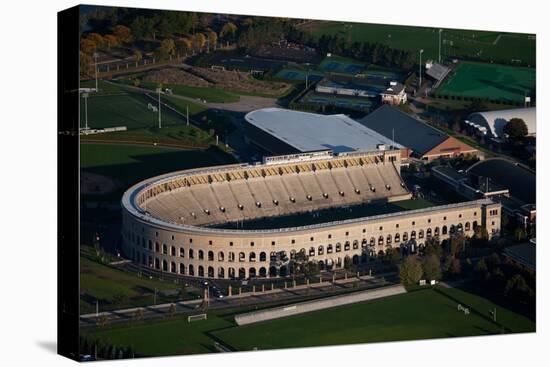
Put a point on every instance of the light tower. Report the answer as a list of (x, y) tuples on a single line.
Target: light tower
[(160, 119), (95, 58), (439, 58), (420, 69)]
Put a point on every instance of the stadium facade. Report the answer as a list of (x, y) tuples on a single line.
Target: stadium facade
[(168, 220)]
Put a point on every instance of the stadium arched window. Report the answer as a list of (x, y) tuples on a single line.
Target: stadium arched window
[(329, 249), (164, 249), (220, 256), (381, 240), (191, 253), (338, 247), (164, 265), (312, 251), (389, 239), (231, 273), (210, 272), (191, 270), (201, 255), (413, 235), (173, 267), (173, 251), (210, 255), (428, 233), (263, 256), (355, 245), (231, 257), (252, 273), (347, 246), (252, 257), (221, 272), (182, 269), (262, 273), (436, 231), (201, 271), (320, 250), (444, 230), (242, 256), (467, 226), (182, 252), (397, 238), (421, 233)]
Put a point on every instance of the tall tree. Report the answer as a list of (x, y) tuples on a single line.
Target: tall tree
[(431, 267), (515, 129), (410, 271)]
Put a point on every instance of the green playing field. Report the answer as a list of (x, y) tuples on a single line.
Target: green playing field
[(490, 81), (485, 45), (422, 314)]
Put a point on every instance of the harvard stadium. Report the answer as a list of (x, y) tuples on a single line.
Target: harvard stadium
[(179, 222)]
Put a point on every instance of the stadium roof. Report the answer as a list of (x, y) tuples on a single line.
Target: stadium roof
[(438, 71), (519, 180), (405, 129), (495, 120), (312, 132), (525, 253)]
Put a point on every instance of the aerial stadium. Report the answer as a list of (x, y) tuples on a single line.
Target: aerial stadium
[(176, 222)]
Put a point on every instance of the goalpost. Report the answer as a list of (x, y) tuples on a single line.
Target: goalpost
[(198, 317)]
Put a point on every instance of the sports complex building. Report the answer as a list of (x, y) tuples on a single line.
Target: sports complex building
[(176, 222)]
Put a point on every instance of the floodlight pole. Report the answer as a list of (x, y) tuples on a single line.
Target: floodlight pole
[(95, 58), (440, 31), (420, 70), (160, 119)]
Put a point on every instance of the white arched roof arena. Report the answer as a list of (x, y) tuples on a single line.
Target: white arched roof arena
[(495, 120)]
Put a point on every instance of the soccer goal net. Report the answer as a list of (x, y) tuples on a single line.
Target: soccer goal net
[(198, 317)]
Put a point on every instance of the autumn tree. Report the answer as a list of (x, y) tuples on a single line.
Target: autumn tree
[(111, 41), (198, 40), (97, 39), (183, 45), (123, 33), (166, 49), (515, 129), (87, 46), (410, 271), (212, 39), (431, 266), (228, 31)]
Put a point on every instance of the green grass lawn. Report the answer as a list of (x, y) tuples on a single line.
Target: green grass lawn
[(417, 315), (465, 43), (132, 163), (494, 82), (421, 314), (129, 109), (115, 288)]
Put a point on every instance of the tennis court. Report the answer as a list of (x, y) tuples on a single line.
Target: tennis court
[(341, 65), (489, 81), (299, 75)]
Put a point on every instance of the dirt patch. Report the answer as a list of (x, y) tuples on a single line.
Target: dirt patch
[(176, 76), (223, 79), (94, 184)]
